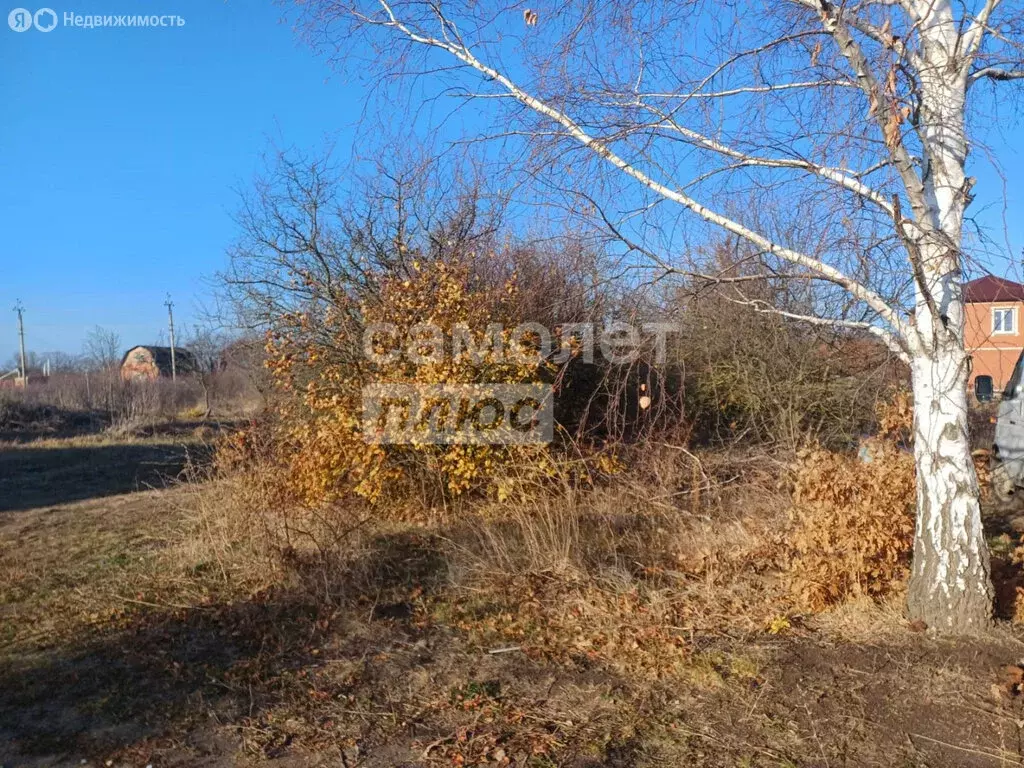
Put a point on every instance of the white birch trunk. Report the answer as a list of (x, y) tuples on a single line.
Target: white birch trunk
[(949, 585), (950, 588)]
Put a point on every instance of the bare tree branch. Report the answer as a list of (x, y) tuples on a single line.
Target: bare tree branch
[(575, 131), (997, 73)]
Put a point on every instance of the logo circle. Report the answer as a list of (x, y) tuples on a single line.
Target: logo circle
[(45, 24), (20, 19)]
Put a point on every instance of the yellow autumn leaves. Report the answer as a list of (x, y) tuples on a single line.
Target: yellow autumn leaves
[(319, 379)]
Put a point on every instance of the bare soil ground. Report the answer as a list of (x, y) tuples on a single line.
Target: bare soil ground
[(132, 635)]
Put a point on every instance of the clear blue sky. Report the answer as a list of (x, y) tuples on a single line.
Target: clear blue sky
[(121, 153), (122, 150)]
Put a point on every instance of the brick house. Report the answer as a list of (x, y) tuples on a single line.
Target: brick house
[(151, 363), (994, 337)]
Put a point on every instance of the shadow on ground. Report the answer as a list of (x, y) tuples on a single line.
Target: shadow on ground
[(173, 672), (38, 477), (114, 690)]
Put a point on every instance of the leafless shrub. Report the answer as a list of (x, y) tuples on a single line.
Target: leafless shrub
[(91, 401), (756, 375)]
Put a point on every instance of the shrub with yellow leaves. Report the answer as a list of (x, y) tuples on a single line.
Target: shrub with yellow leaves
[(319, 378), (851, 524)]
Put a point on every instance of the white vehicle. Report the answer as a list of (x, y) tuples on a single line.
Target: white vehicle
[(1008, 449)]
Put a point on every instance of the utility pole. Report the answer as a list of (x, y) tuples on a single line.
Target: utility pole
[(170, 323), (21, 342)]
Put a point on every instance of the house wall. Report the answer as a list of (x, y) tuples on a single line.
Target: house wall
[(139, 364), (993, 354)]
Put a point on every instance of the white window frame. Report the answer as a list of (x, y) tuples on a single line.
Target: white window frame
[(1013, 321)]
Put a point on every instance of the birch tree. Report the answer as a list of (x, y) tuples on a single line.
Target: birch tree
[(852, 115)]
